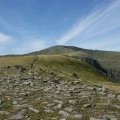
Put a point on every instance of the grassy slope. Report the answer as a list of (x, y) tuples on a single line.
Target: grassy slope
[(18, 60), (57, 63), (68, 66), (6, 62), (109, 60), (62, 65)]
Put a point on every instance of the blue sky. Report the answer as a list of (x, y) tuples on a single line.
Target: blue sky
[(31, 25)]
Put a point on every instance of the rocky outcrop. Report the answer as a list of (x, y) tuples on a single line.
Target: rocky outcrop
[(49, 96), (98, 66)]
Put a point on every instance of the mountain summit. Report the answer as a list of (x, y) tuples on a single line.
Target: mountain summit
[(107, 60)]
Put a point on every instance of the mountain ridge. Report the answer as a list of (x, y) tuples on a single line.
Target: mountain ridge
[(62, 48), (108, 60)]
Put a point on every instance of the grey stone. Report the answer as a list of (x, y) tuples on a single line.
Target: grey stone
[(58, 106), (116, 106), (33, 109), (4, 113), (69, 109), (18, 116), (77, 116), (111, 95), (96, 119), (14, 102), (109, 117), (48, 111), (72, 101), (63, 114), (118, 97), (87, 106)]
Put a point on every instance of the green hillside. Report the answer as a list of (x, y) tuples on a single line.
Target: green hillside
[(91, 65), (108, 60), (56, 63)]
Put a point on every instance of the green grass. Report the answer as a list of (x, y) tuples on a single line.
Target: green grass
[(108, 59), (62, 66), (57, 63), (18, 60), (68, 66)]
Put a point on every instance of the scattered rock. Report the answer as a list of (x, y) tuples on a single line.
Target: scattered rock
[(69, 109), (109, 117), (33, 109), (48, 111), (111, 95), (14, 102), (4, 113), (72, 101), (96, 119), (56, 95), (77, 116), (18, 116), (87, 106), (63, 114), (118, 97), (58, 106)]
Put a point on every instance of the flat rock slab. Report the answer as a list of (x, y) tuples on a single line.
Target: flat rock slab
[(63, 114), (4, 113), (33, 109), (18, 116), (77, 116), (69, 109), (109, 117), (96, 119)]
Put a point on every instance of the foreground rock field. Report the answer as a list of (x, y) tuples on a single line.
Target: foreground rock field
[(48, 96)]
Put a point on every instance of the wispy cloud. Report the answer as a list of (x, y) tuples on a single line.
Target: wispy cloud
[(4, 38), (28, 46), (17, 46), (101, 20), (101, 44), (12, 27)]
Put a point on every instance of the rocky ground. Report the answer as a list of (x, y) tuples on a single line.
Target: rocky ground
[(48, 96)]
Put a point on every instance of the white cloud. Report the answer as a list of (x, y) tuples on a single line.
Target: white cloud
[(30, 46), (99, 21), (4, 38), (99, 44)]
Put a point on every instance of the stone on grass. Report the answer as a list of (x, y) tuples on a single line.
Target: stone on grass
[(77, 116), (63, 114), (109, 117), (69, 109), (4, 113), (18, 116), (33, 109), (118, 97), (96, 119)]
